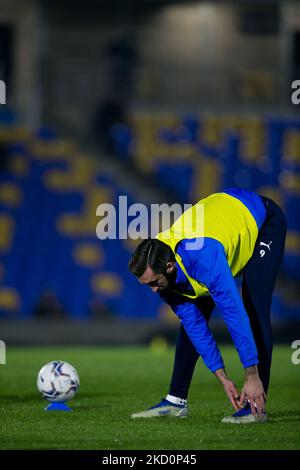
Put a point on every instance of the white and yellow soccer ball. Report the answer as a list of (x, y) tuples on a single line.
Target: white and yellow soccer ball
[(58, 381)]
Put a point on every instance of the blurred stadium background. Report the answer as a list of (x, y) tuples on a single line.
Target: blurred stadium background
[(162, 101)]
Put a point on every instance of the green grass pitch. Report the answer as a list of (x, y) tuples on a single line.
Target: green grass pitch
[(118, 381)]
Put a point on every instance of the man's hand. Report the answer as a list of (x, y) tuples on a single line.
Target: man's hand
[(253, 390), (229, 387)]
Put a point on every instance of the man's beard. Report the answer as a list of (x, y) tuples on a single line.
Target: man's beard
[(171, 280)]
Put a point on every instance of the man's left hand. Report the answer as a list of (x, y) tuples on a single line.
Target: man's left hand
[(253, 390)]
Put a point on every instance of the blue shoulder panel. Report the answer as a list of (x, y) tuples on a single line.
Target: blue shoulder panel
[(252, 201)]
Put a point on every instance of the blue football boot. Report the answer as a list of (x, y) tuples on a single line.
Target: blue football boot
[(244, 416)]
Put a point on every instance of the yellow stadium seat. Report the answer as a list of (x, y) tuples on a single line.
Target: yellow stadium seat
[(75, 226), (291, 146), (9, 299), (292, 244), (272, 192), (108, 284), (207, 178), (7, 225), (88, 255), (57, 149), (19, 166), (11, 195), (13, 134), (290, 181)]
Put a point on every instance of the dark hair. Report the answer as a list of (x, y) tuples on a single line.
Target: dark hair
[(152, 253)]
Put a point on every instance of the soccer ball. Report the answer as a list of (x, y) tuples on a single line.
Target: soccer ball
[(58, 381)]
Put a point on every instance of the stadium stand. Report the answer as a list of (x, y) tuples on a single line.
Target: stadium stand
[(49, 192), (50, 255), (193, 156)]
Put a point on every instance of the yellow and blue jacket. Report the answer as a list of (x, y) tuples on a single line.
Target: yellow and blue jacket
[(208, 257)]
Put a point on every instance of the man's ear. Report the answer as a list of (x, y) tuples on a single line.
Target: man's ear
[(170, 267)]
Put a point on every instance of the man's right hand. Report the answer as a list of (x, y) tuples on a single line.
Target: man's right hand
[(229, 388)]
